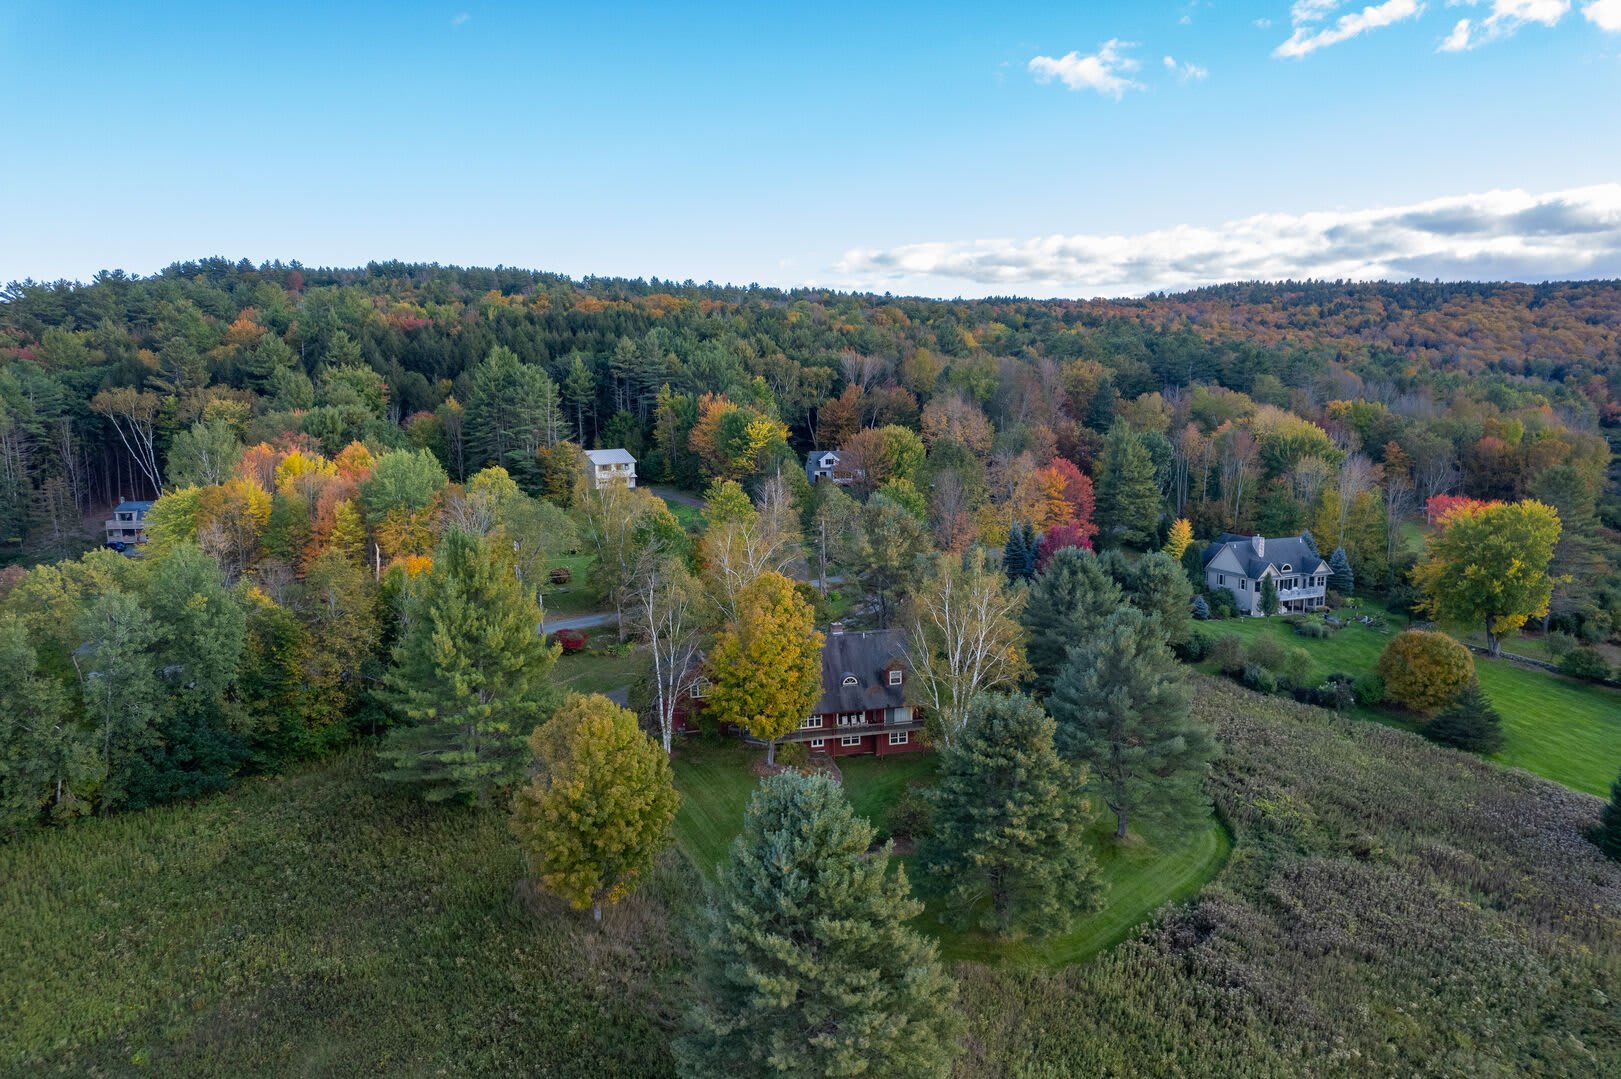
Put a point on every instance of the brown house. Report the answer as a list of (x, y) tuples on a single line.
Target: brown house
[(863, 707)]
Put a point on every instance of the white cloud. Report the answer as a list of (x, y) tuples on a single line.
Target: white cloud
[(1309, 35), (1495, 235), (1262, 24), (1105, 71), (1506, 17), (1185, 71), (1604, 14), (460, 19)]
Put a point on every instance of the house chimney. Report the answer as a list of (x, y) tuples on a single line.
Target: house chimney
[(835, 628), (1259, 543)]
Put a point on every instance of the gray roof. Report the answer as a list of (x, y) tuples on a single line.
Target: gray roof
[(867, 656), (1286, 550), (610, 457)]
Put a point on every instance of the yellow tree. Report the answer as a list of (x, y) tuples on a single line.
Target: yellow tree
[(598, 809), (1489, 566), (765, 671), (1176, 544)]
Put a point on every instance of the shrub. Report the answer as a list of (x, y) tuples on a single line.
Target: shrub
[(1194, 648), (1606, 835), (911, 817), (1201, 609), (1469, 722), (1268, 652), (1559, 644), (1296, 668), (560, 575), (1313, 631), (1260, 679), (1222, 604), (793, 754), (572, 640), (1369, 690), (1228, 652), (1585, 662), (1423, 670)]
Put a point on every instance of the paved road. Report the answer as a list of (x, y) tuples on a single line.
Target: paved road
[(582, 621), (671, 494)]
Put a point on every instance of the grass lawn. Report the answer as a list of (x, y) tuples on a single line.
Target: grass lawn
[(575, 597), (1557, 727), (691, 517), (597, 674), (1142, 876)]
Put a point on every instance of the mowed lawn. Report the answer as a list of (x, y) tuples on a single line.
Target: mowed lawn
[(585, 673), (576, 597), (1142, 875), (1565, 730)]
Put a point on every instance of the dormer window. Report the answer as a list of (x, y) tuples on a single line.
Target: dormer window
[(850, 680), (1286, 567), (895, 677)]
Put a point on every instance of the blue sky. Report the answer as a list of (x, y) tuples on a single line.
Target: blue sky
[(949, 148)]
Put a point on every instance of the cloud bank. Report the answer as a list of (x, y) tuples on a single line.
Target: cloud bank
[(1495, 235), (1506, 17)]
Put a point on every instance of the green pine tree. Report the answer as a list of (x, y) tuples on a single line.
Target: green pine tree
[(809, 967), (1159, 588), (1013, 553), (1340, 577), (1469, 722), (1121, 705), (1608, 832), (1069, 600), (1009, 847), (1128, 498), (468, 680), (1269, 596)]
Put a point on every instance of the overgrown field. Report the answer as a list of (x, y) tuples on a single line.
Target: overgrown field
[(1558, 727), (1390, 908), (318, 926)]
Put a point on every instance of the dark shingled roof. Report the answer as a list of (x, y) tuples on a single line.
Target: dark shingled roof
[(1287, 549), (867, 656)]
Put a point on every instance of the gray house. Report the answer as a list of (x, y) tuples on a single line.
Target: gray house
[(611, 466), (1240, 563), (824, 465)]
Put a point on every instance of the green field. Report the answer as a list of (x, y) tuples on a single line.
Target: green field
[(585, 673), (576, 597), (1557, 727), (716, 783)]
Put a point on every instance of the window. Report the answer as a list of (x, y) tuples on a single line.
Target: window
[(699, 688), (899, 738), (1221, 578), (850, 740), (850, 680), (1287, 568), (852, 719), (894, 678), (811, 721), (1243, 584), (818, 743)]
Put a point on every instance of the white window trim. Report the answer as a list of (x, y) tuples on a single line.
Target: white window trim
[(850, 740), (818, 743), (852, 719), (899, 738), (811, 722), (895, 678), (851, 680), (697, 690)]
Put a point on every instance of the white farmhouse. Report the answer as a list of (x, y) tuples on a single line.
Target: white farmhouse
[(611, 466), (1240, 563)]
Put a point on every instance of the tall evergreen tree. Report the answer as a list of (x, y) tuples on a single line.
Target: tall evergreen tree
[(1070, 599), (1310, 541), (580, 393), (1013, 553), (1008, 850), (1269, 596), (1159, 588), (468, 680), (1121, 705), (809, 967), (1340, 577), (1127, 492)]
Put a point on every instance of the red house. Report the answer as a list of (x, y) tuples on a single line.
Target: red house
[(863, 707)]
